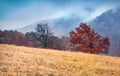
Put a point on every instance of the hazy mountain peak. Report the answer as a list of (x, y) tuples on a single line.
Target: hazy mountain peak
[(107, 24), (60, 26)]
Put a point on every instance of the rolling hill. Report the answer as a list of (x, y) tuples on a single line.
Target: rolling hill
[(26, 61)]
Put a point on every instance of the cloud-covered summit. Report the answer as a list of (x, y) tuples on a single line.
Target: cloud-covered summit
[(19, 13)]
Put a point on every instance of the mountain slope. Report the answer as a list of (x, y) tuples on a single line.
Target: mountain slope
[(108, 24), (31, 27), (24, 61), (60, 26)]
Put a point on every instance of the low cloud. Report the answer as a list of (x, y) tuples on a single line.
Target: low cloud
[(35, 12)]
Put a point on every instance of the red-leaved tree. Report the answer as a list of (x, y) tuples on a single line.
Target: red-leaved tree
[(86, 40)]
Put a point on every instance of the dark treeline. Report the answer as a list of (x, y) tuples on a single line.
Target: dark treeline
[(82, 39), (30, 39)]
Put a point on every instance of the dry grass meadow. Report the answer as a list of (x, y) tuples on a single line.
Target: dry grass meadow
[(25, 61)]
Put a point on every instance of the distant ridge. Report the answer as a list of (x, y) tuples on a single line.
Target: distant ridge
[(108, 24), (60, 26)]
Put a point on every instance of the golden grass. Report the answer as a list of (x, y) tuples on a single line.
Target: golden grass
[(24, 61)]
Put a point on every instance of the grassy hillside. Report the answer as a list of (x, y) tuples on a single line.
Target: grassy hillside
[(24, 61)]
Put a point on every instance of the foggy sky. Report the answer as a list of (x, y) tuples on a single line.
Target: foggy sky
[(19, 13)]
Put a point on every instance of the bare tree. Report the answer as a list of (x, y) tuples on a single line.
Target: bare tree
[(43, 32)]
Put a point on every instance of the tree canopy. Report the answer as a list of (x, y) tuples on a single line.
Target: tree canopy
[(87, 40), (43, 31)]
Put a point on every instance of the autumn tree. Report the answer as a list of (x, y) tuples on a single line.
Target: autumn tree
[(65, 43), (54, 42), (14, 37), (87, 40), (31, 37), (1, 36), (43, 32)]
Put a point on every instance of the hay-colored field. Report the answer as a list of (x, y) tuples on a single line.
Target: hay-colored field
[(25, 61)]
